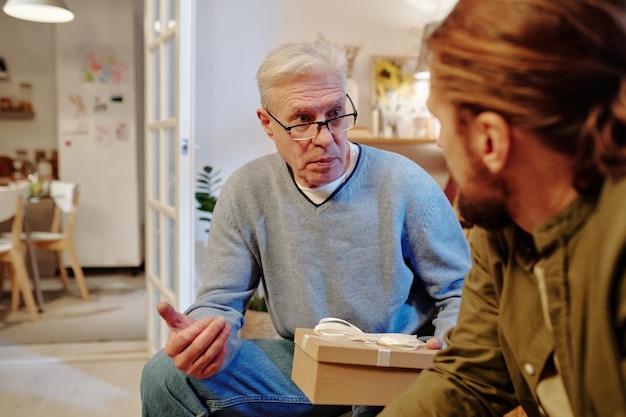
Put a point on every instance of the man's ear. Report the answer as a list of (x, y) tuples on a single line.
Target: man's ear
[(494, 140), (265, 122)]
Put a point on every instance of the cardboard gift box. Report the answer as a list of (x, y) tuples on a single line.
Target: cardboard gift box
[(346, 372)]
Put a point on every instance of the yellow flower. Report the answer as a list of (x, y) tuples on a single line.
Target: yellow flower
[(389, 76)]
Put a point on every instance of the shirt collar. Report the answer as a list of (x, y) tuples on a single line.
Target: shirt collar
[(564, 225)]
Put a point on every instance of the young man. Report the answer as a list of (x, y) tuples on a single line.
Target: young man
[(329, 229), (531, 95)]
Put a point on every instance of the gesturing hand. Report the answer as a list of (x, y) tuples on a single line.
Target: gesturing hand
[(198, 347)]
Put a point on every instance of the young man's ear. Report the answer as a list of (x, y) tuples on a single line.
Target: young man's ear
[(494, 140), (265, 122)]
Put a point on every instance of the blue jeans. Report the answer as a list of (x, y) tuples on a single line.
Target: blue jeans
[(256, 383)]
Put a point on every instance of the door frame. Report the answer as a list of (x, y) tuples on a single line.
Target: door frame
[(169, 231)]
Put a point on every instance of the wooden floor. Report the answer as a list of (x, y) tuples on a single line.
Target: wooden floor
[(86, 379), (99, 379), (76, 380)]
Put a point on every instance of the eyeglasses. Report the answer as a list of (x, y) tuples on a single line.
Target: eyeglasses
[(306, 131)]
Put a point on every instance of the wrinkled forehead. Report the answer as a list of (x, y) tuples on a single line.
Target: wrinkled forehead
[(295, 92)]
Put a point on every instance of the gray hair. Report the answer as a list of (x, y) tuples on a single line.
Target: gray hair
[(291, 60)]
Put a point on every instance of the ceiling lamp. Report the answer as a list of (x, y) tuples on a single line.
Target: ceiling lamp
[(46, 11)]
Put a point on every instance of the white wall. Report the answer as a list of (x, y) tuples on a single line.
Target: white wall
[(237, 35), (28, 49)]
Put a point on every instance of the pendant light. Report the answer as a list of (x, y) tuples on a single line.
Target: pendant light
[(46, 11)]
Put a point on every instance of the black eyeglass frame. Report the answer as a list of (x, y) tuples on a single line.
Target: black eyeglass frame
[(355, 113)]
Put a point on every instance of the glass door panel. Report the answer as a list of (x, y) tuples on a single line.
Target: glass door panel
[(168, 178)]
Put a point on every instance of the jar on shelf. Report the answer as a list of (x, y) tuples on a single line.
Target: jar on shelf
[(5, 103), (25, 167), (5, 96), (26, 97)]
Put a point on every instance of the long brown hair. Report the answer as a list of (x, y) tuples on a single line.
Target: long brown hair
[(555, 68)]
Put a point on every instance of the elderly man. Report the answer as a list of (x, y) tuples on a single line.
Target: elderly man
[(329, 228), (531, 95)]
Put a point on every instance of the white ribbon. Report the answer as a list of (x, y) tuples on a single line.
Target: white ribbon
[(338, 329)]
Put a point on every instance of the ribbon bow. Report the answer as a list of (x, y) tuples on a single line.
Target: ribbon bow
[(334, 328)]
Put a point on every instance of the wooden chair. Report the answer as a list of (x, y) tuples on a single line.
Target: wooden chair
[(13, 249), (60, 236), (6, 169)]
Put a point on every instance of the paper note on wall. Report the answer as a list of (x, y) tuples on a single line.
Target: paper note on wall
[(103, 134)]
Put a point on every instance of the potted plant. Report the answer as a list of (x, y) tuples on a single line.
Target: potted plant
[(208, 183)]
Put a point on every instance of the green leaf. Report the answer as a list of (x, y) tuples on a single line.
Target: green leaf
[(207, 184), (257, 303)]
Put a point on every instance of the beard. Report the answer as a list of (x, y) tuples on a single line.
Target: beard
[(485, 204)]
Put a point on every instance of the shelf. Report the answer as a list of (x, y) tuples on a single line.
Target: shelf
[(16, 115)]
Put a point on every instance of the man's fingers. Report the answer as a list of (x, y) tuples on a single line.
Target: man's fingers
[(211, 340), (194, 342), (205, 346), (210, 361), (434, 343), (182, 338), (174, 319), (215, 365), (197, 347)]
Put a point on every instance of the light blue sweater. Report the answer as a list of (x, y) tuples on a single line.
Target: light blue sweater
[(384, 252)]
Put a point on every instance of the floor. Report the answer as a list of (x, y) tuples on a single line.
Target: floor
[(96, 379), (82, 379)]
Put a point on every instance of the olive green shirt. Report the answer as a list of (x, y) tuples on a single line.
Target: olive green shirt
[(502, 346)]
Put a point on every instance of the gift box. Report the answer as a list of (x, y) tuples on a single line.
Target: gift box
[(348, 372)]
